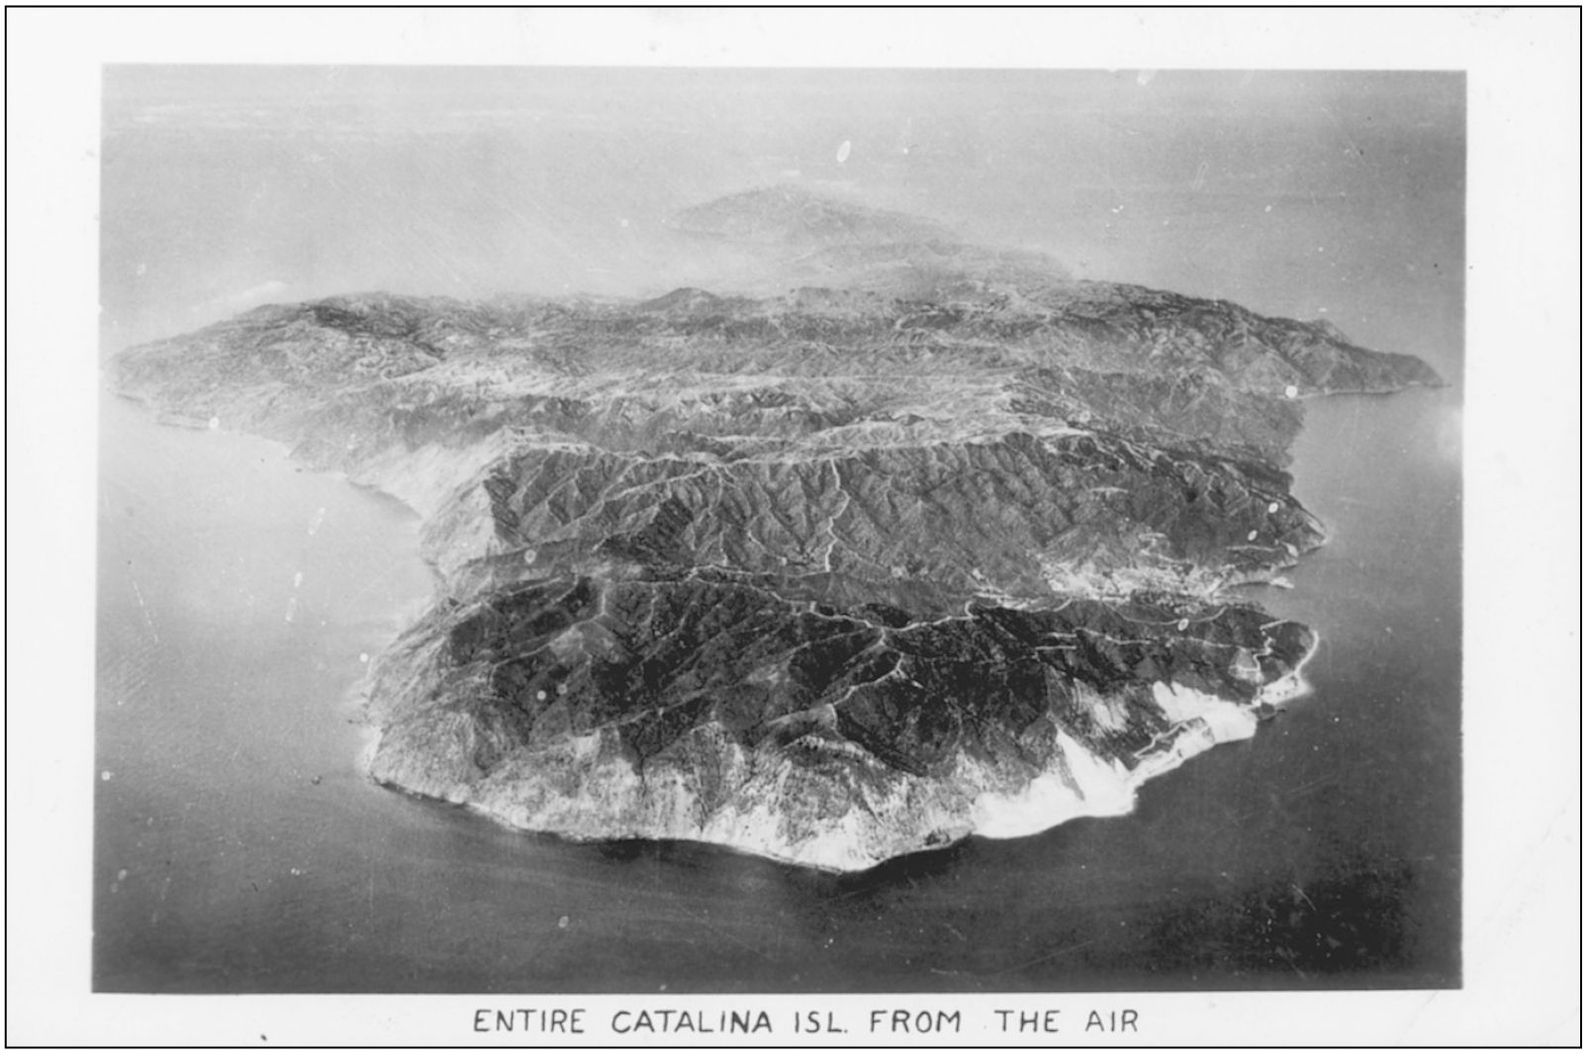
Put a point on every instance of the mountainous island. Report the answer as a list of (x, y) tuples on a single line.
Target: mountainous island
[(894, 540)]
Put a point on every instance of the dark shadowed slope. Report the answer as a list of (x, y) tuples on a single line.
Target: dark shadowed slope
[(830, 574)]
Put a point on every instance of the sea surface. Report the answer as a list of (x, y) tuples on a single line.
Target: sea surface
[(240, 848)]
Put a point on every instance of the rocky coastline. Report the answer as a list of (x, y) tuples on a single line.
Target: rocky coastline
[(829, 574)]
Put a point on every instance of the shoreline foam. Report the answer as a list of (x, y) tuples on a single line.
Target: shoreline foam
[(973, 801)]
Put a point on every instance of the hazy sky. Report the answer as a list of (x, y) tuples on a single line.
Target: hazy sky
[(1339, 194)]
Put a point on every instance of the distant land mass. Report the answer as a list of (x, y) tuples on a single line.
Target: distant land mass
[(917, 539)]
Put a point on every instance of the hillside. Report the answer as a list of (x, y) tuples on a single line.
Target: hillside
[(828, 574)]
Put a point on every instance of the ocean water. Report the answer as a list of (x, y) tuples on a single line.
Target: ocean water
[(238, 847), (1292, 193)]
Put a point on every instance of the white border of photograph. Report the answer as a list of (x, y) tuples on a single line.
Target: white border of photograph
[(1522, 487)]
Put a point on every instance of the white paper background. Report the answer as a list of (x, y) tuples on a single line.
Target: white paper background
[(1522, 483)]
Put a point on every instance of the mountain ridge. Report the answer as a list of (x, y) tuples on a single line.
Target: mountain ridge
[(921, 504)]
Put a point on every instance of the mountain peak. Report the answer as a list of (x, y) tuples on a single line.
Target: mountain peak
[(794, 216)]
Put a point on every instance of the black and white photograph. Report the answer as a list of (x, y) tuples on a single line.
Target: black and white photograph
[(718, 551)]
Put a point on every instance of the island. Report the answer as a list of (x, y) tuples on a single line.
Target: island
[(899, 540)]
